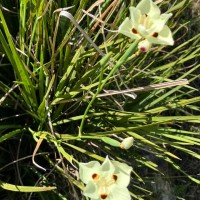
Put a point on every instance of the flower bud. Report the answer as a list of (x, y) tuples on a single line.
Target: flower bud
[(127, 143), (144, 46)]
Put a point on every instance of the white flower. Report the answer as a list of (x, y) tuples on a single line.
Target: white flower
[(108, 181), (127, 143), (146, 22)]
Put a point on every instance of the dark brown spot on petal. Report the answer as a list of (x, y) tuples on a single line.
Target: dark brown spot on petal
[(155, 35), (115, 177), (95, 176), (134, 31), (103, 196)]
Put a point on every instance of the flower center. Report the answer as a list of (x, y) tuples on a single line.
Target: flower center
[(145, 21), (144, 24), (103, 183), (106, 181)]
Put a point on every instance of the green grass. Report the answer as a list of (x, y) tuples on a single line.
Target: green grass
[(52, 70)]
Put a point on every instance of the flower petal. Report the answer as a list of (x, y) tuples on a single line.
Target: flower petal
[(91, 191), (107, 166), (126, 28), (135, 15), (164, 37), (158, 23), (165, 17), (119, 193), (123, 172), (157, 26), (87, 169), (149, 8)]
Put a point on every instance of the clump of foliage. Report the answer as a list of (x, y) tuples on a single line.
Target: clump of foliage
[(58, 79)]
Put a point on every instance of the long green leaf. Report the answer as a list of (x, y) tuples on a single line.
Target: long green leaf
[(28, 90), (18, 188)]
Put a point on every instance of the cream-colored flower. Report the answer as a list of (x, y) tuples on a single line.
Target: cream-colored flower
[(108, 181), (146, 22), (127, 143)]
